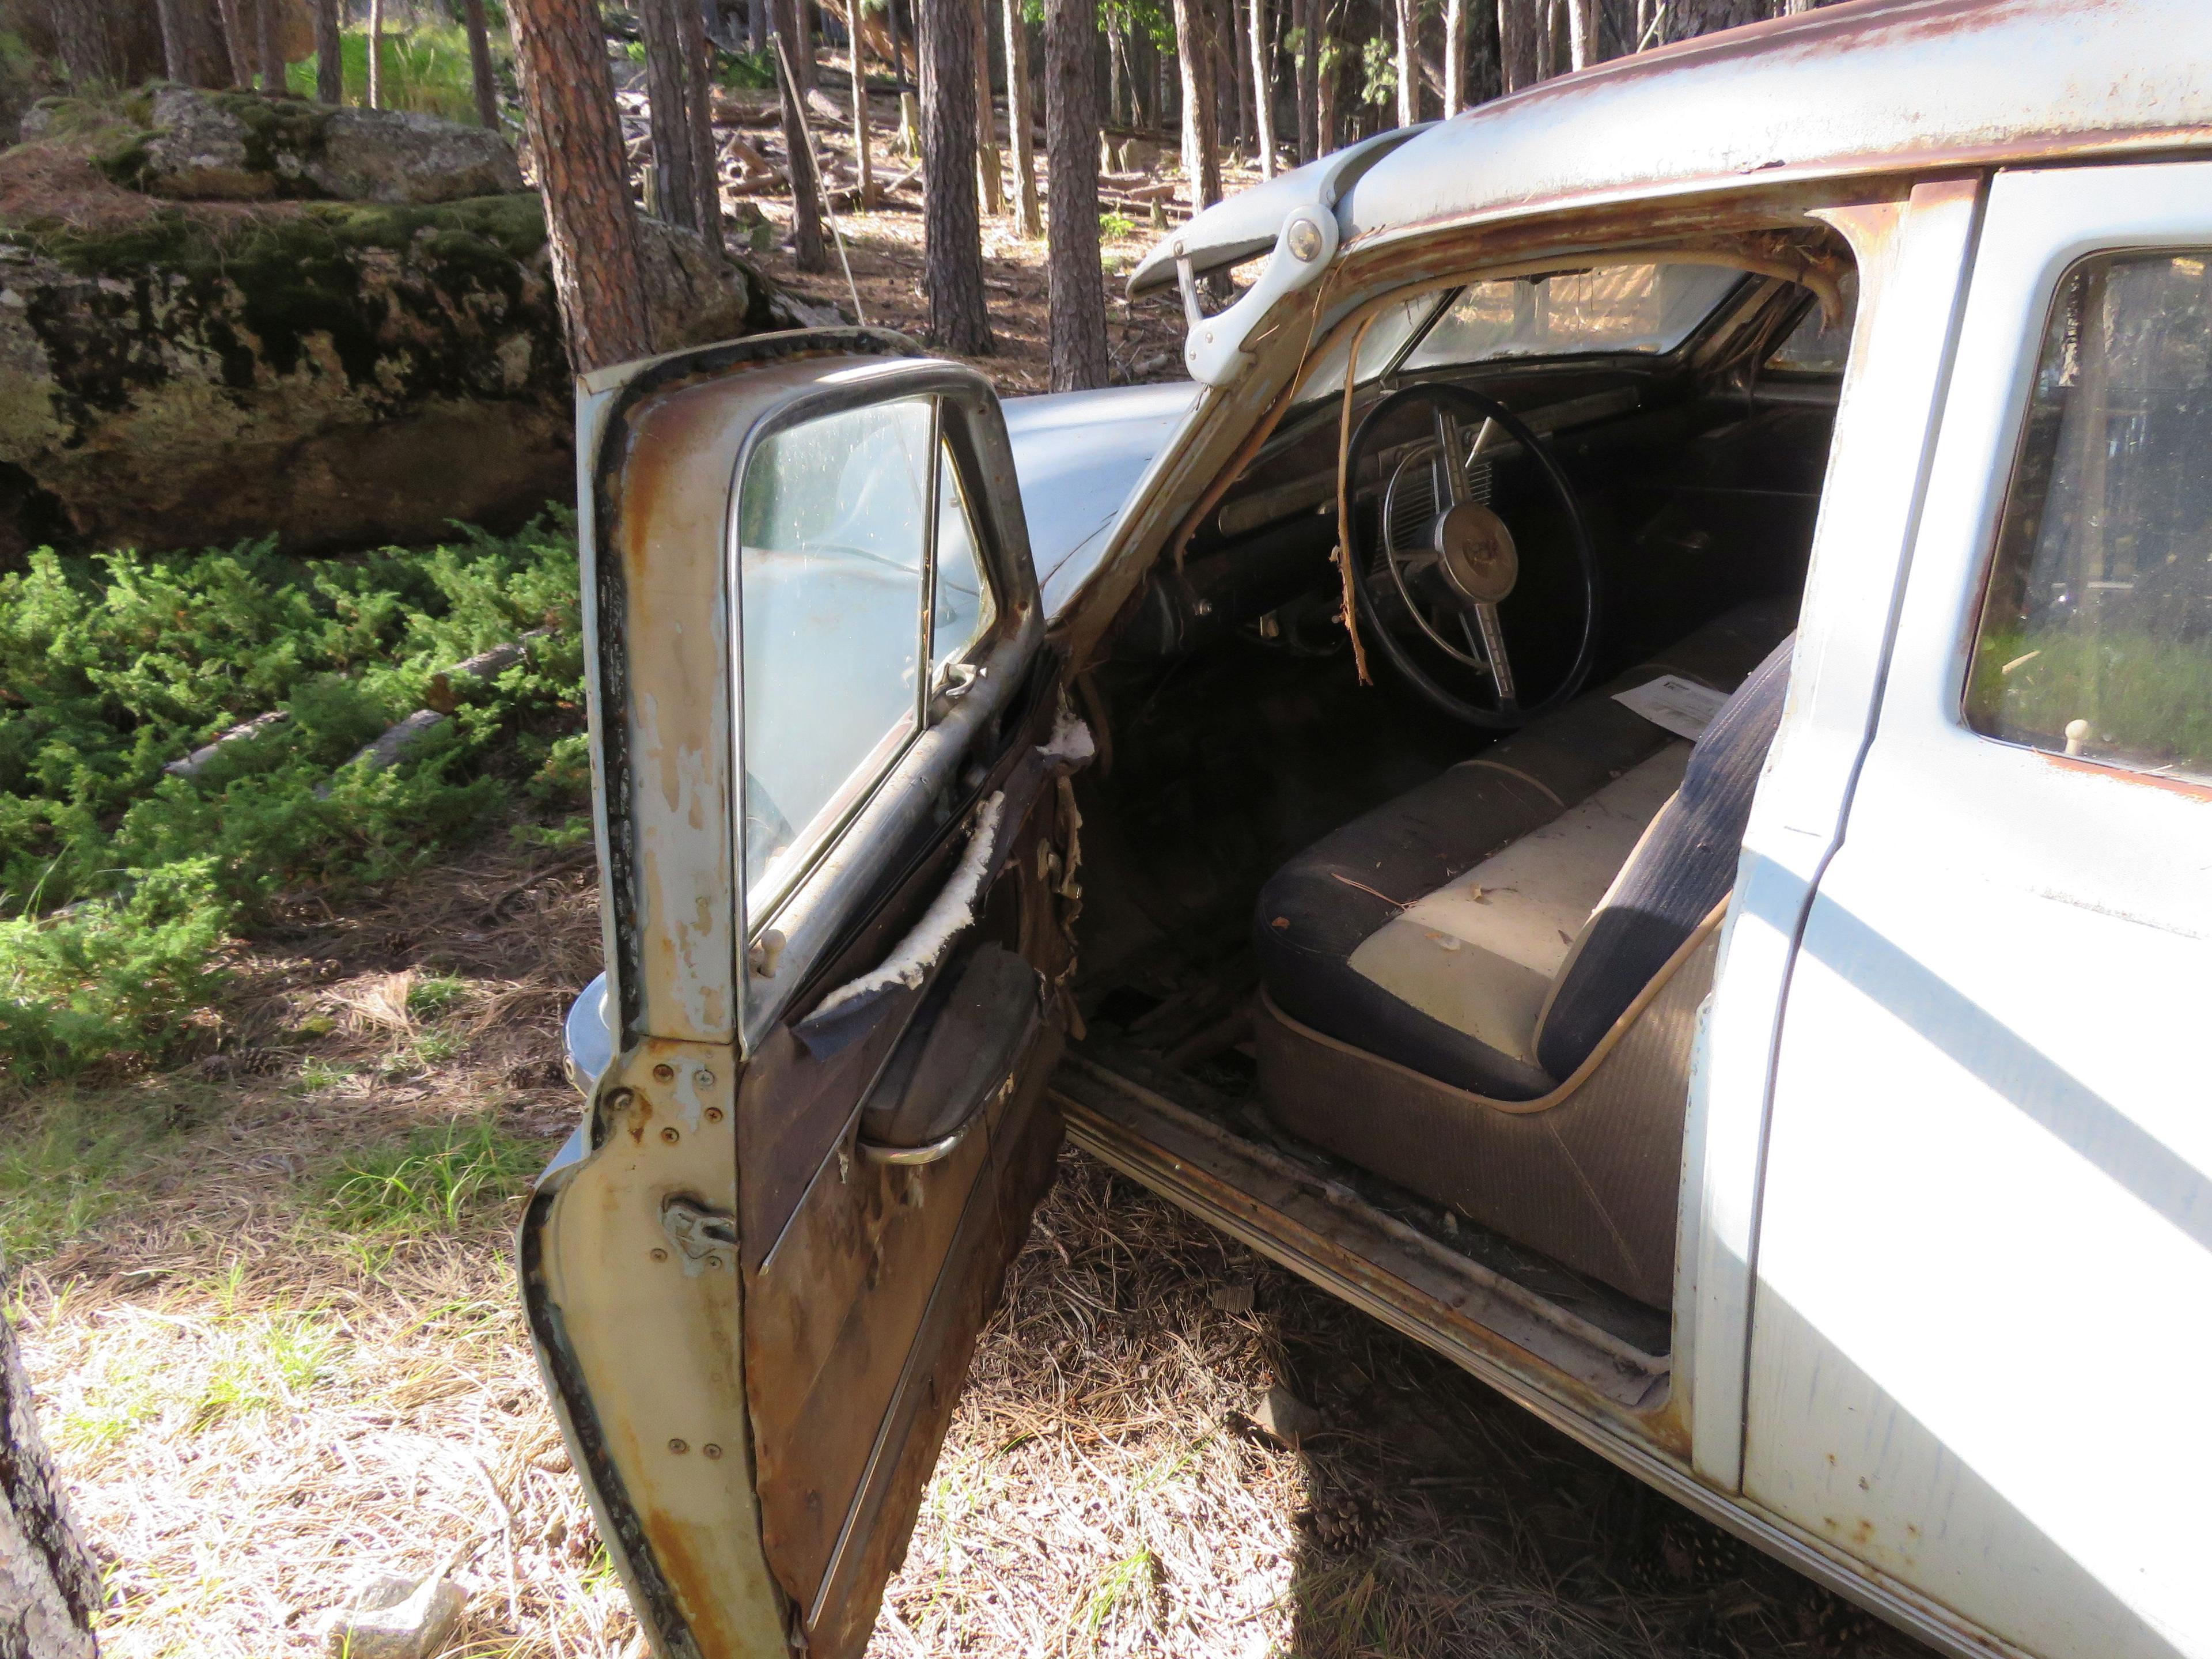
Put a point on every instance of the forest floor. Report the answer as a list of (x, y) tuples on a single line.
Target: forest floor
[(883, 246), (269, 1305)]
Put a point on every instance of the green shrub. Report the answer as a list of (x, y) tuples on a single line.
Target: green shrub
[(753, 71), (118, 881), (425, 69)]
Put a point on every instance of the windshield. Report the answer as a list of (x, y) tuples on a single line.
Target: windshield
[(1641, 308), (1646, 309)]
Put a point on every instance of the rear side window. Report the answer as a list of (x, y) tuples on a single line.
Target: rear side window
[(2095, 637)]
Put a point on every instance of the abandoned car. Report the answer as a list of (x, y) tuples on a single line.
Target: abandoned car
[(1621, 778)]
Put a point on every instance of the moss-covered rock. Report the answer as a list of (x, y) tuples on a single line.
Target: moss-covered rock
[(245, 147), (337, 372)]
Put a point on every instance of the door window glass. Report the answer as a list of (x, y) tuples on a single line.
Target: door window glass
[(1638, 308), (1816, 346), (832, 529), (963, 610), (2095, 637)]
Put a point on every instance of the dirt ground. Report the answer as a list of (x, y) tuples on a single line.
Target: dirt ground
[(269, 1307)]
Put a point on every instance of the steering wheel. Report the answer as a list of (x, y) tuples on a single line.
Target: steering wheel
[(1452, 561)]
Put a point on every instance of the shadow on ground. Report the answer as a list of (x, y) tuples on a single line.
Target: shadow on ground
[(1105, 1488)]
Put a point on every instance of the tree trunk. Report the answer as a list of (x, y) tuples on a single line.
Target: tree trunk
[(484, 83), (1409, 67), (1455, 58), (1263, 90), (807, 250), (1327, 83), (234, 44), (1582, 33), (1076, 327), (909, 137), (863, 152), (990, 183), (1019, 137), (48, 1586), (698, 120), (756, 25), (952, 243), (81, 39), (569, 109), (1516, 43), (798, 40), (330, 50), (1116, 78), (272, 45), (176, 43), (1238, 39), (376, 56), (675, 191), (1201, 161), (1304, 77), (1685, 20)]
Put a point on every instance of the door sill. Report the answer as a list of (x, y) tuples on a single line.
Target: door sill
[(1324, 1231)]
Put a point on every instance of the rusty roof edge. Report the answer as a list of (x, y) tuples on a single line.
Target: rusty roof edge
[(1872, 86)]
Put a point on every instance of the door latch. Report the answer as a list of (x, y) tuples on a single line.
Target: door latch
[(704, 1238)]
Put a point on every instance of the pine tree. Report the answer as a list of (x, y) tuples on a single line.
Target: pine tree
[(569, 109), (330, 50), (794, 44), (48, 1588), (81, 39), (480, 73), (1020, 139), (953, 247), (1201, 156), (1076, 325)]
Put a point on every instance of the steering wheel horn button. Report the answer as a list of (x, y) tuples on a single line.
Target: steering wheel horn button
[(1475, 551)]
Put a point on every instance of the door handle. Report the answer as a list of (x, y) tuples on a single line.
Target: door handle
[(961, 1056)]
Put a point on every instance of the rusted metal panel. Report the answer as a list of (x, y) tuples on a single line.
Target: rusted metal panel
[(876, 1276), (640, 1340), (1905, 85)]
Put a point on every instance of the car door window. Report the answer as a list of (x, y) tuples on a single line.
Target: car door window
[(964, 610), (2095, 636), (834, 561)]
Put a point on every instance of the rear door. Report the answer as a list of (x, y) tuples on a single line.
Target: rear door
[(837, 848), (1985, 1246)]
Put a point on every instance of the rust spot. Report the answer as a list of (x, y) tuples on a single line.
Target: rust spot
[(2181, 787), (664, 1071)]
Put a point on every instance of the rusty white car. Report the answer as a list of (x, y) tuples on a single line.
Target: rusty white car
[(1622, 777)]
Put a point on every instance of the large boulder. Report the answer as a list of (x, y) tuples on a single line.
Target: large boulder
[(244, 146), (336, 373)]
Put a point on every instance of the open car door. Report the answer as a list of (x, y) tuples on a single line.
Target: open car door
[(837, 850)]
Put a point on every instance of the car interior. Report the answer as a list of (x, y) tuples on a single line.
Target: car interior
[(1440, 941)]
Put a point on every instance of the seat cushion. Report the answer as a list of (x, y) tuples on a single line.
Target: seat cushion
[(1479, 953), (1319, 909)]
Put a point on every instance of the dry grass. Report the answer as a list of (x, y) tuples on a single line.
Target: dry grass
[(270, 1311)]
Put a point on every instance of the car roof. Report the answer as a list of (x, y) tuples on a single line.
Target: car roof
[(1871, 87)]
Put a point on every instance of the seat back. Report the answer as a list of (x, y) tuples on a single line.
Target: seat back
[(1682, 867)]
